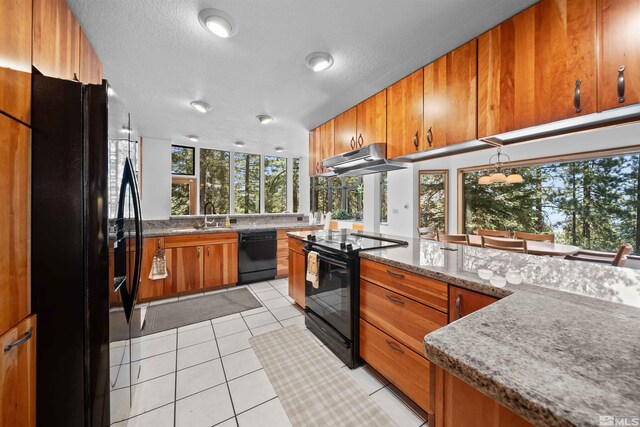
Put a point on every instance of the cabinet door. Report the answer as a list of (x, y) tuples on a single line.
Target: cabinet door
[(15, 51), (345, 131), (56, 39), (150, 289), (463, 302), (15, 178), (220, 265), (297, 277), (450, 88), (619, 23), (185, 270), (18, 375), (404, 116), (372, 120), (314, 146), (90, 66), (326, 142), (529, 67)]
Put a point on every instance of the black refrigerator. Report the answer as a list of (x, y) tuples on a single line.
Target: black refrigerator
[(70, 263)]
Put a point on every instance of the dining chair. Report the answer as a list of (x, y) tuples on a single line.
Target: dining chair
[(616, 259), (358, 227), (493, 233), (512, 245), (427, 233), (461, 239), (533, 236), (333, 225)]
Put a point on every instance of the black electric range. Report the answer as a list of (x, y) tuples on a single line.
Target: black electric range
[(333, 307)]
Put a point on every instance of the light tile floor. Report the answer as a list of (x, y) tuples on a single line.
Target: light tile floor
[(207, 374)]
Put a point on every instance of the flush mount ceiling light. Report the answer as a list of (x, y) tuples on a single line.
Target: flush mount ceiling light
[(239, 144), (319, 61), (264, 119), (499, 175), (201, 106), (193, 138), (279, 149), (218, 23)]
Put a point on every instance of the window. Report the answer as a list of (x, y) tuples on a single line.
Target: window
[(275, 184), (247, 183), (319, 194), (432, 199), (383, 198), (183, 196), (182, 160), (354, 196), (296, 185), (591, 203), (214, 180), (338, 193), (335, 194), (119, 150)]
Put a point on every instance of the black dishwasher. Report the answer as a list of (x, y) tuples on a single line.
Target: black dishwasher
[(256, 255)]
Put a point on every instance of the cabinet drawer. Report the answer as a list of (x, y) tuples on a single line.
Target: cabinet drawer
[(400, 317), (199, 239), (431, 292), (296, 245), (404, 368)]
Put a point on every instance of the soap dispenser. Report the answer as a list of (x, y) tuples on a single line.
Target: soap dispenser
[(227, 222)]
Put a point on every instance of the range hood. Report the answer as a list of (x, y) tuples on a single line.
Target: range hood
[(363, 161)]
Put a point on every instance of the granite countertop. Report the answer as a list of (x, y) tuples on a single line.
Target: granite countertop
[(561, 348), (157, 232)]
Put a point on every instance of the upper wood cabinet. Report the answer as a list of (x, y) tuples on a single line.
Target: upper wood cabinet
[(56, 40), (314, 148), (18, 375), (345, 131), (619, 63), (90, 66), (404, 116), (372, 120), (538, 67), (326, 142), (15, 211), (15, 58), (450, 88)]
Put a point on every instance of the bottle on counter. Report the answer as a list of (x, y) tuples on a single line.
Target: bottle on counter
[(227, 222)]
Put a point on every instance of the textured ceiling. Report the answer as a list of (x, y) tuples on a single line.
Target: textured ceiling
[(158, 58)]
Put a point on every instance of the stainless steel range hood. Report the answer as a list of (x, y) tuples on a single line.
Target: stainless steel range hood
[(363, 161)]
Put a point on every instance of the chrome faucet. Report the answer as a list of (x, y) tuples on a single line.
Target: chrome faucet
[(206, 222)]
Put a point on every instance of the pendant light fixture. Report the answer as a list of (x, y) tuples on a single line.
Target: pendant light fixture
[(499, 176)]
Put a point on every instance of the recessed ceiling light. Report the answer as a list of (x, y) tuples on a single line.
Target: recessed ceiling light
[(193, 138), (239, 144), (319, 61), (218, 23), (201, 106), (279, 149), (264, 119)]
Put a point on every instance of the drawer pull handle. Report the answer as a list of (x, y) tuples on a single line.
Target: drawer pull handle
[(396, 300), (360, 140), (394, 347), (621, 84), (576, 96), (27, 335), (416, 142), (393, 273), (458, 300), (208, 251)]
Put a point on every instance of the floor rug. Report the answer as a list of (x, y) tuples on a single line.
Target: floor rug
[(313, 390)]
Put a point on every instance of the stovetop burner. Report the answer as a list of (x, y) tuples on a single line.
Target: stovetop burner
[(349, 241)]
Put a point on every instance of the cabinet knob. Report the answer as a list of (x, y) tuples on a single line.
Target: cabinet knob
[(198, 251), (621, 84), (429, 137), (458, 301), (353, 142), (208, 251), (360, 140), (576, 96)]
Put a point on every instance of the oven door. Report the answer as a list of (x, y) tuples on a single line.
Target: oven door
[(332, 299)]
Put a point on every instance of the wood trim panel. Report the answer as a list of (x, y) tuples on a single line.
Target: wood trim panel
[(297, 266), (199, 239), (90, 66), (15, 221), (425, 290), (15, 58), (402, 318)]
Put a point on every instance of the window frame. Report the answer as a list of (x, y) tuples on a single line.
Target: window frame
[(192, 192), (444, 172), (342, 190), (193, 163)]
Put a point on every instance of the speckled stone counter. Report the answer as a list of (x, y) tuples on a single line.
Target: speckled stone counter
[(157, 232), (561, 348)]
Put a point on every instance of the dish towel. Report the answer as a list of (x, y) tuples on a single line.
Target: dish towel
[(312, 268), (159, 265)]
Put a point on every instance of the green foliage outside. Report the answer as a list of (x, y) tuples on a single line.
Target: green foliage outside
[(180, 199), (592, 204), (432, 187), (214, 180), (182, 160), (340, 214), (296, 185), (383, 197), (275, 184), (247, 183)]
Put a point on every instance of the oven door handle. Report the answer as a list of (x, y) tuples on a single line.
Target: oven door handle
[(334, 261)]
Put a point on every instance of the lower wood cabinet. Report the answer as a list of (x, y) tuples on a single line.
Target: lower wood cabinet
[(184, 269), (18, 375), (463, 302), (220, 265), (282, 252), (297, 271), (150, 289)]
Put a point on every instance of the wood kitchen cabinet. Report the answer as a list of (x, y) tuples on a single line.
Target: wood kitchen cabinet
[(327, 141), (450, 87), (314, 151), (56, 39), (15, 52), (345, 131), (15, 179), (405, 116), (619, 61), (538, 67), (185, 270), (150, 289), (297, 271), (221, 265), (463, 302), (372, 120), (90, 69), (18, 374)]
